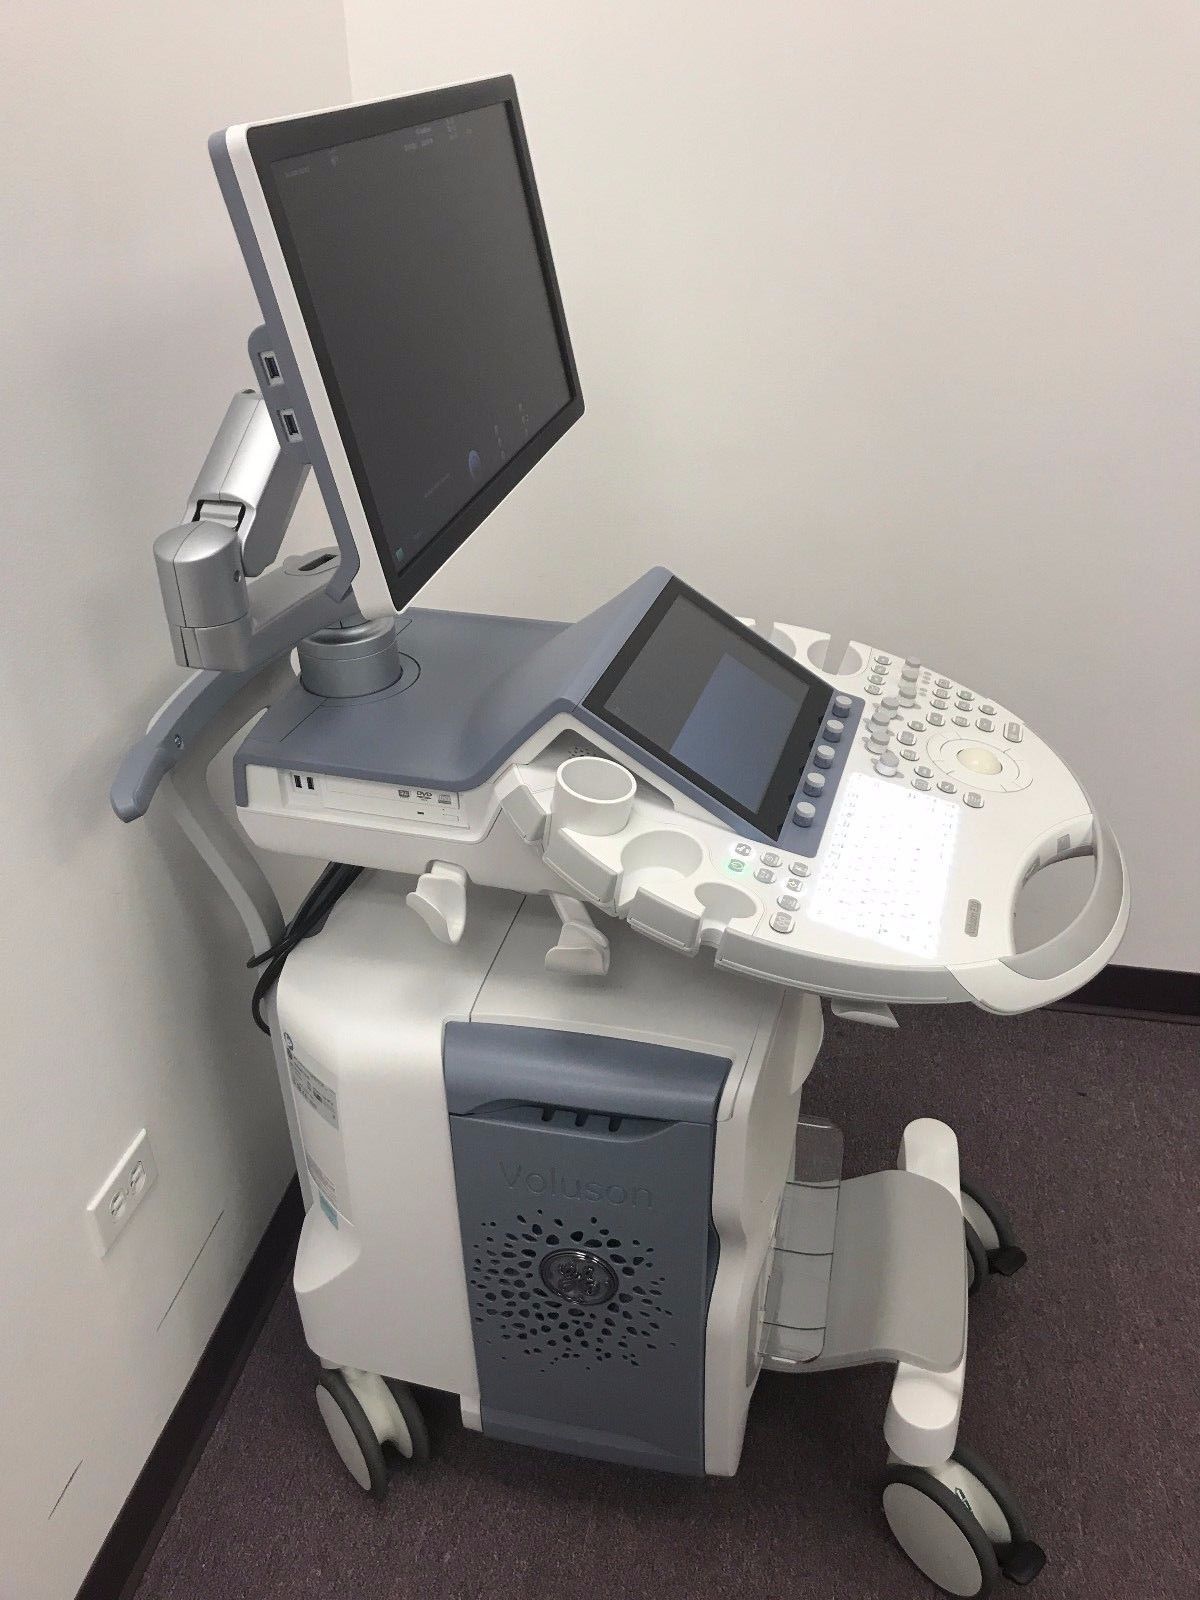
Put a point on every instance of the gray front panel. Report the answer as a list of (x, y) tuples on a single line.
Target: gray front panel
[(588, 1248)]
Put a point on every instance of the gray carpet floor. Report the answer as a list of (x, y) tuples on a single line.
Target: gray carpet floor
[(1083, 1386)]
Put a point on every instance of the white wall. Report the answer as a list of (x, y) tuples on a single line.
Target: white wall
[(123, 316), (886, 319)]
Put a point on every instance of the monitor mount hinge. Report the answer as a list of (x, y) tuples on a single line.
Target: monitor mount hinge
[(226, 612)]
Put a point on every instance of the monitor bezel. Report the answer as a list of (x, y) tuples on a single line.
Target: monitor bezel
[(269, 142), (771, 815)]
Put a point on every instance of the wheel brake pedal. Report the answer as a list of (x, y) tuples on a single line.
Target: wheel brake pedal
[(1021, 1561)]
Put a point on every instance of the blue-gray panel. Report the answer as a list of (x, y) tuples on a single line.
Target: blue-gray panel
[(493, 1061), (484, 685), (475, 688), (620, 1379)]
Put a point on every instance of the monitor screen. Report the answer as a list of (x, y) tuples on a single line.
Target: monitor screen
[(712, 700), (424, 279)]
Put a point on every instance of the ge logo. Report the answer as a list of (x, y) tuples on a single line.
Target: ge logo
[(579, 1278)]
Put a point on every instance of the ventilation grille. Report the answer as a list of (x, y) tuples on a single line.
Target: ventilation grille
[(567, 746), (517, 1315)]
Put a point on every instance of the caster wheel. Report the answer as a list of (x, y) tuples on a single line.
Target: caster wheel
[(413, 1443), (960, 1525), (991, 1245), (366, 1414), (977, 1261), (353, 1437)]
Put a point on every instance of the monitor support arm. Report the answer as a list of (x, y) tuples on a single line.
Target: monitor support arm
[(225, 611)]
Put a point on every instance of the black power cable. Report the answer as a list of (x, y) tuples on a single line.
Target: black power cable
[(309, 919)]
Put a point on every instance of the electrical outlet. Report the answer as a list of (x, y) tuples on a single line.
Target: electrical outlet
[(122, 1192)]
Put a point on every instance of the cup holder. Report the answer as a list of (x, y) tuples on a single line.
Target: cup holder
[(725, 902), (592, 795), (664, 850), (848, 662)]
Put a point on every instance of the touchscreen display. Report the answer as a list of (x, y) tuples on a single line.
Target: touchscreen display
[(717, 704)]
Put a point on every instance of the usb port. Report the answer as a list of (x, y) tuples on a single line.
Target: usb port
[(271, 367), (297, 781), (290, 426)]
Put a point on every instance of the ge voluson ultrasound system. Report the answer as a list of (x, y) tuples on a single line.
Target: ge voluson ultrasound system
[(544, 1021)]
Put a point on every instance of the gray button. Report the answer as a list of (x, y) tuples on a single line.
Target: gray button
[(814, 782), (824, 755), (874, 688), (737, 866), (974, 799), (941, 700), (877, 744), (765, 875), (771, 858), (909, 674), (877, 678), (984, 724), (947, 787), (804, 813), (884, 661), (936, 719), (913, 662), (917, 726), (887, 764), (988, 711), (782, 923), (920, 783), (943, 683), (794, 883), (842, 705), (788, 902), (1012, 732), (834, 729), (890, 703), (962, 722), (908, 699), (962, 705), (965, 694), (741, 849), (908, 755), (800, 868), (906, 737), (924, 772)]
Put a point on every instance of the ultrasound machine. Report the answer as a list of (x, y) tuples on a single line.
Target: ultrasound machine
[(544, 1021)]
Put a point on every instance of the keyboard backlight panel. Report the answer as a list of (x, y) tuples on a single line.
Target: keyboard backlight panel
[(886, 865)]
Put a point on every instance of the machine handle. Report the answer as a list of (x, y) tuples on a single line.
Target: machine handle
[(141, 771), (1063, 963), (1106, 906), (203, 697)]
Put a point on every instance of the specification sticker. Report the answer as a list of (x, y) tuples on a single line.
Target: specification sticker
[(309, 1087), (324, 1184)]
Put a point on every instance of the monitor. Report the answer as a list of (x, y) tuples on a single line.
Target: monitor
[(717, 704), (416, 345)]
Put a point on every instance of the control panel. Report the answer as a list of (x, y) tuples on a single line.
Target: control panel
[(862, 831)]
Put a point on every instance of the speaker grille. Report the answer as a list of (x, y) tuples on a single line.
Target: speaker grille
[(515, 1312)]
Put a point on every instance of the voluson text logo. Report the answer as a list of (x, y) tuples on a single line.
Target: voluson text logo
[(553, 1182)]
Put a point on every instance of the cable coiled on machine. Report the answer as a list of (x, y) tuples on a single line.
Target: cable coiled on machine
[(309, 919)]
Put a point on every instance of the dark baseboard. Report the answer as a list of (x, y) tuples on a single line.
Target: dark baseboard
[(1151, 993), (123, 1556)]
